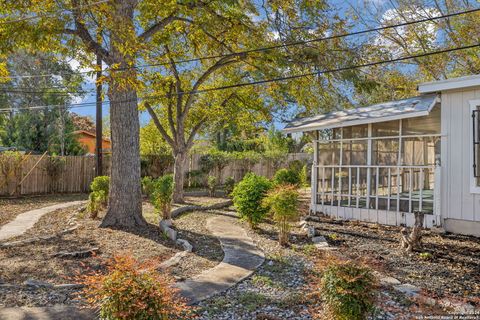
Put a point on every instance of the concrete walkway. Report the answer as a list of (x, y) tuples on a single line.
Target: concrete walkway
[(241, 258), (26, 220), (59, 312)]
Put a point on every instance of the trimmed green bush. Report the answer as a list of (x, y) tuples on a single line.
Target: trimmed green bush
[(349, 290), (212, 184), (303, 177), (229, 185), (148, 185), (286, 176), (162, 195), (283, 204), (98, 198), (248, 195)]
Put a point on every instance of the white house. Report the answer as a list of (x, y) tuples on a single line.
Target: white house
[(383, 162)]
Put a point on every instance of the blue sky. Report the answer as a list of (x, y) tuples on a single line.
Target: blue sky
[(339, 6)]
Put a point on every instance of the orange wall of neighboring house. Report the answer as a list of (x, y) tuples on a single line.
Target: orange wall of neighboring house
[(88, 141)]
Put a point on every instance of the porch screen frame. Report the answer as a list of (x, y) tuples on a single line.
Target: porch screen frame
[(396, 169)]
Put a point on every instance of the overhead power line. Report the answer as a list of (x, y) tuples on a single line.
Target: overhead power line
[(261, 49), (279, 79)]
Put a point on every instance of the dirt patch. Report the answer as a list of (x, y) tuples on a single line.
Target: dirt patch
[(36, 260), (448, 265), (10, 208)]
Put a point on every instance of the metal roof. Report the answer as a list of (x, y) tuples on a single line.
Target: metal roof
[(450, 84), (393, 110)]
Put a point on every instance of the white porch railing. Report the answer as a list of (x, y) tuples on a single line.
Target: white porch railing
[(350, 191)]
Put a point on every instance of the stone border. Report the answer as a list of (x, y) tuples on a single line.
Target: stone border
[(175, 213)]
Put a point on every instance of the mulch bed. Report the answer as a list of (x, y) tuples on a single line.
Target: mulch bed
[(448, 265), (36, 260), (11, 207)]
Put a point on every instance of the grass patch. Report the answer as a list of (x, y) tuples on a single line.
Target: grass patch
[(259, 280), (252, 300)]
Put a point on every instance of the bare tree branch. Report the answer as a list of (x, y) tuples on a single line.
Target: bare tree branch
[(159, 126), (227, 60), (82, 32), (160, 25), (195, 131)]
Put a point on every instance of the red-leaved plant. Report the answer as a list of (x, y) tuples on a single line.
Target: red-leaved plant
[(133, 290)]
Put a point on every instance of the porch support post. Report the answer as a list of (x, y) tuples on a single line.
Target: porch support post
[(314, 175), (437, 187), (369, 164)]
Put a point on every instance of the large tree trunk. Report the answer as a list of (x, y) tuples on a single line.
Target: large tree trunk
[(179, 175), (125, 201), (125, 198)]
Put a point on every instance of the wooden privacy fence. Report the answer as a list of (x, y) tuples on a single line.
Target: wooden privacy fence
[(33, 175), (74, 174)]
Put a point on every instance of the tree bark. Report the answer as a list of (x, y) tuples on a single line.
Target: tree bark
[(179, 175), (125, 200)]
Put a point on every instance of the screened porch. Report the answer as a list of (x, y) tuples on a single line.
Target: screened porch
[(383, 167)]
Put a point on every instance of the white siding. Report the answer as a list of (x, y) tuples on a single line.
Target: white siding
[(457, 200)]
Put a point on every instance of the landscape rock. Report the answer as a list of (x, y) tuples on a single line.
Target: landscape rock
[(408, 289), (389, 281), (185, 244), (319, 239), (37, 284), (311, 232)]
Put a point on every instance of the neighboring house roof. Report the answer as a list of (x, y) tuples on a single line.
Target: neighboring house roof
[(88, 133), (450, 84), (392, 110)]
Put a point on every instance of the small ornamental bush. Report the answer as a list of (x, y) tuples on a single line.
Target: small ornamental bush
[(162, 194), (148, 186), (130, 290), (349, 290), (212, 184), (248, 195), (229, 185), (286, 176), (98, 198), (283, 204), (303, 176)]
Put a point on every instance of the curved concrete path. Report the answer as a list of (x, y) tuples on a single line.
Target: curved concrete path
[(241, 258), (26, 220)]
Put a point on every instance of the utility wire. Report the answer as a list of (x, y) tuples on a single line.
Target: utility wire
[(262, 49), (279, 79)]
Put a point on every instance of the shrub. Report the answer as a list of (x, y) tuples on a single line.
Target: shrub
[(148, 185), (162, 195), (296, 166), (349, 290), (212, 184), (303, 176), (286, 176), (283, 204), (229, 185), (248, 195), (98, 198), (130, 290)]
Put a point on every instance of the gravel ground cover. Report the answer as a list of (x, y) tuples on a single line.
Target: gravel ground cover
[(448, 265), (11, 207)]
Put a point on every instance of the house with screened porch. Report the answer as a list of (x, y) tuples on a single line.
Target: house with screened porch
[(381, 163)]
